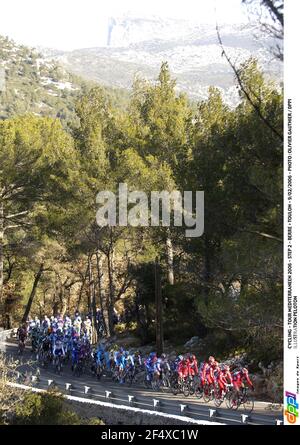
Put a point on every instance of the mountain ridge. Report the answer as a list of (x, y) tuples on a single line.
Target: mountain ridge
[(193, 54)]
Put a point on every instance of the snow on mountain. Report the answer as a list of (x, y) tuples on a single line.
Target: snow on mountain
[(141, 44)]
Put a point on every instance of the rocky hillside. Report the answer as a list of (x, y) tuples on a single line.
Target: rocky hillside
[(29, 82), (140, 45)]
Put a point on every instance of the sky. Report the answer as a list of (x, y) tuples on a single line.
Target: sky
[(71, 24)]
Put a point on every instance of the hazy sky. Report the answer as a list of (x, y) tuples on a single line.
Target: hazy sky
[(70, 24)]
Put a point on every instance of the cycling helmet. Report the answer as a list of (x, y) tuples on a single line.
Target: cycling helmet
[(180, 357), (163, 356), (211, 359)]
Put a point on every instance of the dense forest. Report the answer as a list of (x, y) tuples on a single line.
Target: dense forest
[(225, 286)]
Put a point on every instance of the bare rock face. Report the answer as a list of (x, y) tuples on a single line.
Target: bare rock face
[(269, 383), (138, 45)]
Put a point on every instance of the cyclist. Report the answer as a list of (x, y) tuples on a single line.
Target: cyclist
[(99, 355), (60, 323), (192, 366), (175, 363), (88, 326), (45, 323), (240, 377), (34, 333), (183, 369), (46, 345), (120, 364), (138, 361), (164, 364), (58, 348), (77, 324), (150, 366), (226, 374), (22, 335), (208, 371), (37, 322), (75, 352), (67, 323)]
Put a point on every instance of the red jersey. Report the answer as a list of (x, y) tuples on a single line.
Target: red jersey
[(183, 369), (193, 367), (239, 378)]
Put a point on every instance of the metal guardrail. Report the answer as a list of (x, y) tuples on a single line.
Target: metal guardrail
[(190, 409), (4, 335)]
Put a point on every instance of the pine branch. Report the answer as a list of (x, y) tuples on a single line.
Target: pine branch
[(247, 95)]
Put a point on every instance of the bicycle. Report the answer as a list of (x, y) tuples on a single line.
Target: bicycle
[(165, 382), (58, 364), (199, 390), (189, 386), (129, 375), (148, 380), (21, 347), (221, 395), (238, 398), (99, 370), (177, 386), (78, 368), (208, 392)]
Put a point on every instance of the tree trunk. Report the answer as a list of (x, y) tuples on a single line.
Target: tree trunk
[(63, 307), (82, 287), (99, 261), (55, 308), (111, 297), (90, 286), (170, 258), (93, 301), (33, 292), (208, 252), (158, 310)]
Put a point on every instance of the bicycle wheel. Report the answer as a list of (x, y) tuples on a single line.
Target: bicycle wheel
[(234, 401), (207, 393), (193, 386), (155, 384), (248, 403), (218, 399), (175, 389), (186, 389), (165, 384), (147, 382), (57, 365), (199, 392), (227, 399), (99, 372)]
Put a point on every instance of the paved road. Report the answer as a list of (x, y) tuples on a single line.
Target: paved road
[(263, 413)]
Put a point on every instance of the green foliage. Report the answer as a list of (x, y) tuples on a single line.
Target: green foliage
[(36, 85), (47, 409)]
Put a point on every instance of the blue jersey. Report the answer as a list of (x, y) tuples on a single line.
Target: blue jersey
[(99, 355), (120, 360)]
